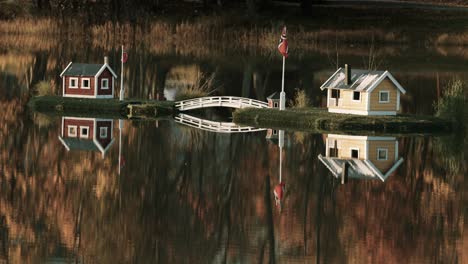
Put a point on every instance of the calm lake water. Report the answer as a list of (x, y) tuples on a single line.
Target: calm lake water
[(190, 196)]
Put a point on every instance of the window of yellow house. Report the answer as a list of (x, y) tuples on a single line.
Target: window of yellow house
[(384, 96)]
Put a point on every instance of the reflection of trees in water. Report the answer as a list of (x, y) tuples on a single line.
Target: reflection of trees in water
[(181, 196), (183, 192)]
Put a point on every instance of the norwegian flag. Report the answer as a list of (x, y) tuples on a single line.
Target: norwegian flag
[(124, 57), (283, 44)]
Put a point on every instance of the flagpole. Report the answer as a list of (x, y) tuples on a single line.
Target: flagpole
[(283, 94), (121, 76)]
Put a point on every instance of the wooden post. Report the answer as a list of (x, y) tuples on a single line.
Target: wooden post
[(344, 172)]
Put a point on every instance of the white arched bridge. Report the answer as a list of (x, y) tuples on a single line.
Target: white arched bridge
[(219, 101), (213, 126)]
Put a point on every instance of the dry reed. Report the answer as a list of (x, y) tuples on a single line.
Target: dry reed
[(29, 26), (300, 99), (202, 87), (198, 38)]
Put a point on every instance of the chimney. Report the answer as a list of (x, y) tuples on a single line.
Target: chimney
[(106, 60), (347, 74)]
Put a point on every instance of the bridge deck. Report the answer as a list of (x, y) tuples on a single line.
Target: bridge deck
[(219, 101)]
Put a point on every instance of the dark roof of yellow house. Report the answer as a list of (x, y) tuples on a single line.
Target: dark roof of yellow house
[(361, 80)]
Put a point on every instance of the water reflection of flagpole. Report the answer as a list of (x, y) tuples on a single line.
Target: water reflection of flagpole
[(279, 189), (281, 144), (120, 144)]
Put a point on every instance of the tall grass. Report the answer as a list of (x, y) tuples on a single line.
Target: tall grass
[(453, 103), (203, 86), (300, 99), (43, 88)]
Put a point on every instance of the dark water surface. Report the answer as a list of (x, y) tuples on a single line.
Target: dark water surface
[(189, 196)]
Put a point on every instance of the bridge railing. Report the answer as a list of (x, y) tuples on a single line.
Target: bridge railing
[(228, 101), (220, 127)]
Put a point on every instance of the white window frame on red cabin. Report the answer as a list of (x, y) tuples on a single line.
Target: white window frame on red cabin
[(89, 83), (70, 83), (102, 83), (81, 132), (72, 134), (101, 134)]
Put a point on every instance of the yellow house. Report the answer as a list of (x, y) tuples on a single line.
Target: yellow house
[(363, 92), (369, 157)]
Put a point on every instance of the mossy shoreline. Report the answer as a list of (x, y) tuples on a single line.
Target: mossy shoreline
[(321, 121), (104, 108), (304, 119)]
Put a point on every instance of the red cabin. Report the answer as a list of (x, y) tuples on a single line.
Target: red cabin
[(88, 134), (88, 80)]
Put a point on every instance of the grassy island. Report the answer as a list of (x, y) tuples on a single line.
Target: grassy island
[(320, 120), (306, 119), (109, 108)]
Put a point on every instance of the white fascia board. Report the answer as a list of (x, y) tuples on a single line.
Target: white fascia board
[(321, 158), (392, 79), (322, 87), (375, 170), (377, 113), (66, 68), (393, 168), (368, 98), (396, 149), (338, 136), (366, 154), (105, 96), (95, 86), (98, 145), (79, 96), (398, 101), (64, 143), (347, 111), (104, 66), (104, 119), (63, 125), (377, 82), (397, 84), (109, 145), (79, 118)]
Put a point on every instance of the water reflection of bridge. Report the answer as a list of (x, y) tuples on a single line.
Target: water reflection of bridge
[(213, 126), (216, 101)]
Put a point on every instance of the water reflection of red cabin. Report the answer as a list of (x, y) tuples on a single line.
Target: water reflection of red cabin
[(89, 134)]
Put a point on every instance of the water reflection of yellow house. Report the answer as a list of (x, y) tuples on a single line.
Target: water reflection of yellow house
[(368, 157)]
